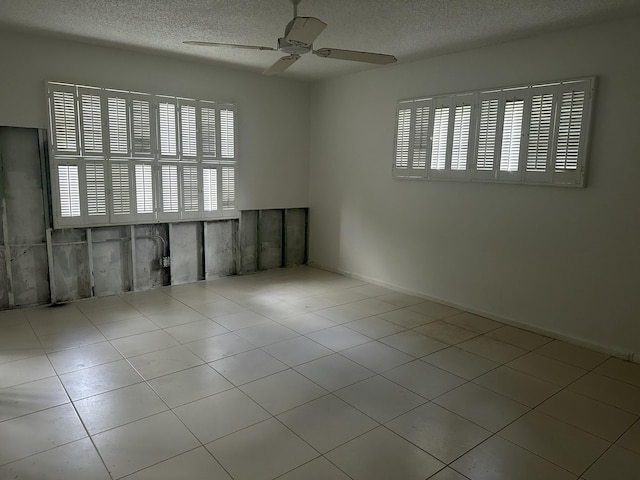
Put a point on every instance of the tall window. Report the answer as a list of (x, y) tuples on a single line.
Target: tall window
[(121, 157), (535, 134)]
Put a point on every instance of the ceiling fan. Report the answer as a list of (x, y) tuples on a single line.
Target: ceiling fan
[(298, 38)]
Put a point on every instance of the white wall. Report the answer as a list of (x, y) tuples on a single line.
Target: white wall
[(559, 259), (273, 113)]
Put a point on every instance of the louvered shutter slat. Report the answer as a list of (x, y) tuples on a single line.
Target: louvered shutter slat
[(228, 189), (511, 135), (169, 188), (96, 198), (121, 196), (210, 189), (190, 189), (64, 122), (118, 127), (539, 132), (208, 121), (569, 130), (421, 138), (487, 134), (141, 127), (440, 136), (69, 190), (461, 127), (91, 106), (188, 130), (402, 138), (167, 122), (227, 134), (144, 188)]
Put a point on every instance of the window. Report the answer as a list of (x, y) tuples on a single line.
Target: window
[(121, 157), (535, 134)]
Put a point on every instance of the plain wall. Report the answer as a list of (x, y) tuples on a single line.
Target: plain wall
[(562, 260), (273, 113)]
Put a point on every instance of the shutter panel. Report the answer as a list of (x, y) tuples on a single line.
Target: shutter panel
[(439, 138), (96, 192), (487, 133), (569, 130), (167, 125), (227, 133), (461, 130), (144, 189), (120, 189), (91, 121), (141, 127), (188, 130), (420, 150), (539, 132), (169, 188), (69, 191), (210, 189), (190, 192), (511, 135), (228, 188), (208, 129), (64, 127), (118, 126), (403, 128)]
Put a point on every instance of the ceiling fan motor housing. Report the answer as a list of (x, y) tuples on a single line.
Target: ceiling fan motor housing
[(291, 48)]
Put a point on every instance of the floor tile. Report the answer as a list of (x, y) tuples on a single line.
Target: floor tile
[(518, 386), (413, 343), (381, 454), (400, 299), (448, 474), (221, 414), (243, 319), (261, 452), (164, 362), (99, 379), (279, 311), (460, 363), (380, 398), (296, 351), (67, 361), (519, 338), (143, 443), (190, 332), (481, 406), (439, 432), (189, 385), (334, 371), (25, 370), (558, 442), (144, 343), (124, 328), (338, 338), (631, 439), (112, 313), (446, 332), (548, 369), (407, 318), (374, 327), (341, 314), (587, 414), (248, 366), (220, 346), (117, 407), (620, 370), (327, 422), (31, 397), (318, 469), (377, 356), (372, 306), (498, 458), (266, 334), (492, 349), (572, 354), (76, 338), (608, 390), (196, 464), (175, 316), (282, 391), (424, 379), (54, 426), (434, 310), (616, 463), (371, 290), (74, 461), (306, 323), (472, 322), (217, 309)]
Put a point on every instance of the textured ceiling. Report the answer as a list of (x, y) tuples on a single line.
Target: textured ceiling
[(408, 29)]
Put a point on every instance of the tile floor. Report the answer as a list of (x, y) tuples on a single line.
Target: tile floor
[(303, 374)]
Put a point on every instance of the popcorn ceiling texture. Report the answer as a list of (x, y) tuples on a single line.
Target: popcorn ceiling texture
[(408, 29)]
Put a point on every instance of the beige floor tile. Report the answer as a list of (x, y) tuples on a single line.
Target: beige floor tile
[(72, 339), (617, 463), (424, 379), (220, 308), (413, 343), (99, 379), (372, 306), (381, 454), (242, 319), (518, 337), (318, 469), (338, 338), (572, 354), (492, 349), (164, 362), (400, 299), (82, 357), (306, 323), (374, 327), (196, 464), (448, 474), (473, 322), (407, 318), (620, 370), (175, 316), (439, 432), (189, 385), (558, 442), (548, 369), (190, 332), (25, 370), (608, 390), (481, 406), (587, 414), (377, 356), (445, 332), (220, 346), (266, 334), (31, 397), (261, 452), (334, 371), (296, 351), (631, 439), (500, 459), (518, 386), (327, 422), (434, 310), (124, 328), (341, 314), (248, 366), (461, 363), (144, 343)]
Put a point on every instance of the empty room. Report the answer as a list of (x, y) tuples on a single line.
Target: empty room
[(305, 239)]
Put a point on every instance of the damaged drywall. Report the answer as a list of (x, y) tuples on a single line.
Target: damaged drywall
[(71, 275), (295, 230), (220, 248), (270, 224), (151, 244), (185, 245)]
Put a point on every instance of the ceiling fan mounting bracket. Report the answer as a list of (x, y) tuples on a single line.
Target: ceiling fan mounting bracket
[(292, 48)]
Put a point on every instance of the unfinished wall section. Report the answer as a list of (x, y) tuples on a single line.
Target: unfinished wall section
[(151, 245), (221, 253)]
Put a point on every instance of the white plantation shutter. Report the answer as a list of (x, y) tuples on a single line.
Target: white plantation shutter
[(540, 121), (64, 121), (569, 130), (120, 188), (167, 129), (227, 133), (403, 129), (141, 127), (486, 158), (169, 188), (190, 191), (420, 151), (96, 189), (188, 130), (69, 190), (208, 130), (118, 126), (461, 132), (210, 189), (511, 135), (144, 188), (91, 121), (439, 138), (228, 188)]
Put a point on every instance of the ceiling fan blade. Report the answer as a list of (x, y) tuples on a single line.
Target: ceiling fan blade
[(304, 30), (368, 57), (281, 65), (230, 45)]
